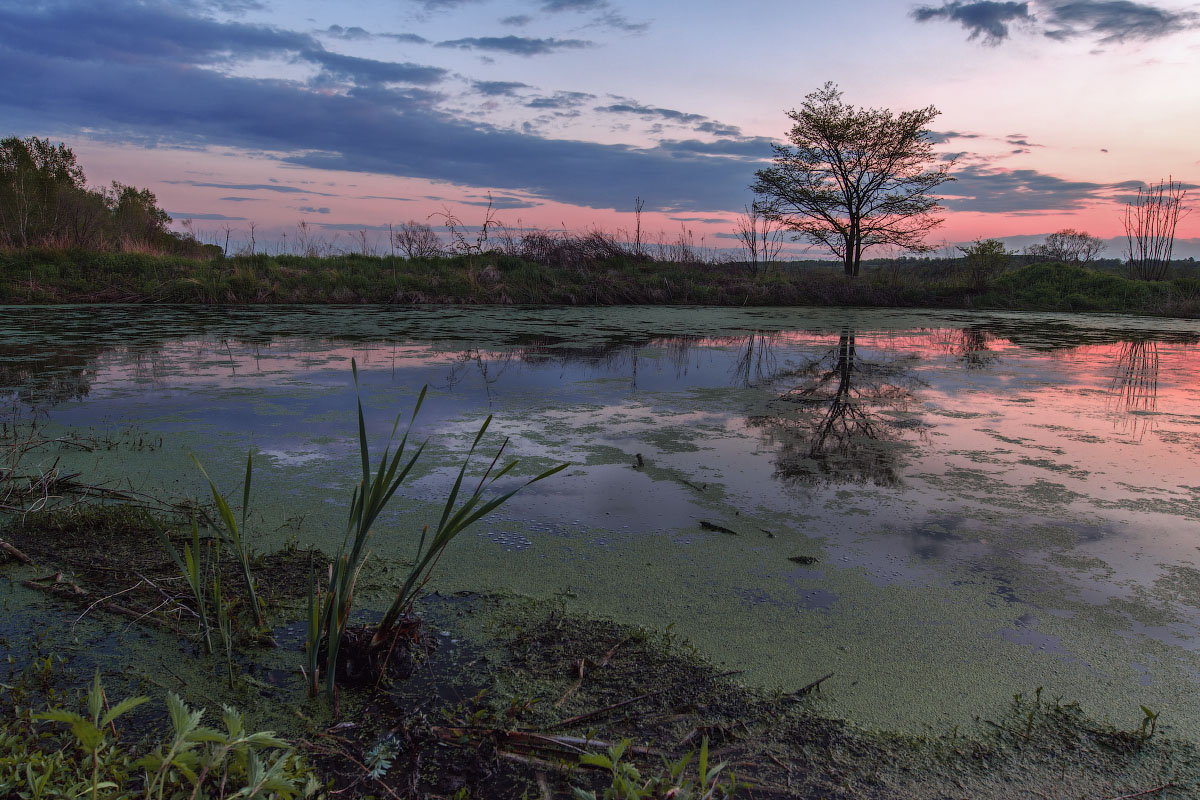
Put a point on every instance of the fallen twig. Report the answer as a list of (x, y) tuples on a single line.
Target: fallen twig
[(1155, 790), (14, 552), (712, 526), (815, 686)]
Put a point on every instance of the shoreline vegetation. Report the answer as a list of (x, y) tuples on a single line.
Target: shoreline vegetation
[(569, 275)]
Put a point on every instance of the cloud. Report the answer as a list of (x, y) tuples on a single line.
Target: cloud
[(242, 199), (941, 137), (1116, 21), (560, 100), (499, 88), (311, 210), (986, 20), (1000, 191), (356, 33), (500, 202), (198, 107), (516, 20), (252, 187), (108, 85), (209, 217), (648, 111), (573, 5), (1108, 21), (756, 147), (138, 33), (516, 45), (368, 71)]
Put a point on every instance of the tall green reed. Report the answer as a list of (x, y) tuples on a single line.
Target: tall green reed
[(329, 611), (234, 535)]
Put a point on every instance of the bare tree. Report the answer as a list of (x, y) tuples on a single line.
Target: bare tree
[(1150, 228), (417, 240), (760, 236), (638, 205), (1068, 246), (854, 178)]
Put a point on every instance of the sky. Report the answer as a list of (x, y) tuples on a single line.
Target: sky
[(349, 116)]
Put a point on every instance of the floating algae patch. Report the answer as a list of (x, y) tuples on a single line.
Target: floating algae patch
[(879, 442)]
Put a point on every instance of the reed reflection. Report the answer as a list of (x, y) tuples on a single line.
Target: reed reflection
[(1134, 386)]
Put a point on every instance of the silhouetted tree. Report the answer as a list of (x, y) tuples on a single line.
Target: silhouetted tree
[(853, 178), (1068, 246)]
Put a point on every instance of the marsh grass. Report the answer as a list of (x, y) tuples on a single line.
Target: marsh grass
[(549, 272)]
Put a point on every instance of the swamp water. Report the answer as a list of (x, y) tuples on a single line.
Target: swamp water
[(941, 509)]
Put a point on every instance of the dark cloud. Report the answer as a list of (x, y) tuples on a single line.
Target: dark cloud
[(719, 129), (356, 33), (138, 80), (445, 5), (702, 220), (650, 112), (612, 19), (990, 190), (516, 45), (941, 137), (311, 210), (606, 15), (757, 147), (210, 217), (517, 20), (986, 20), (1114, 21), (1109, 21), (499, 202), (242, 199), (1020, 141), (351, 33), (171, 102), (573, 5), (130, 32), (499, 88), (248, 187), (369, 71), (560, 100)]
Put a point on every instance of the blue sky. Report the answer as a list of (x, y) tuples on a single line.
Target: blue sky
[(353, 115)]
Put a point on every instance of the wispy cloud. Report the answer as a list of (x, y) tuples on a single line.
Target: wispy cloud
[(1106, 21), (253, 187), (516, 45)]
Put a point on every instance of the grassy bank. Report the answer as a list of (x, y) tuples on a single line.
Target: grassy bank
[(56, 276)]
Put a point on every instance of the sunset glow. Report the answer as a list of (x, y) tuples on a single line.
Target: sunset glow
[(353, 116)]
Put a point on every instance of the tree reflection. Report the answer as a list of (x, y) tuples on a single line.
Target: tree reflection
[(46, 376), (832, 426), (756, 362)]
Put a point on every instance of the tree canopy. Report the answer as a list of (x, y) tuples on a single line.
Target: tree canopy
[(854, 178), (45, 202)]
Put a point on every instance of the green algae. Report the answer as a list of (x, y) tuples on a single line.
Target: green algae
[(637, 554)]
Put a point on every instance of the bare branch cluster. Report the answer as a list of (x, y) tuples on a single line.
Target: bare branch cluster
[(1150, 228)]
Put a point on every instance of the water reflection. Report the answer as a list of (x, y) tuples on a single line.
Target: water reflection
[(1135, 385), (843, 421)]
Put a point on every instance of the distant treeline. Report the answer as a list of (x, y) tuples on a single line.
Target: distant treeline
[(45, 202)]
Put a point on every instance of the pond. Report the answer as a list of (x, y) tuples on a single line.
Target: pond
[(941, 509)]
